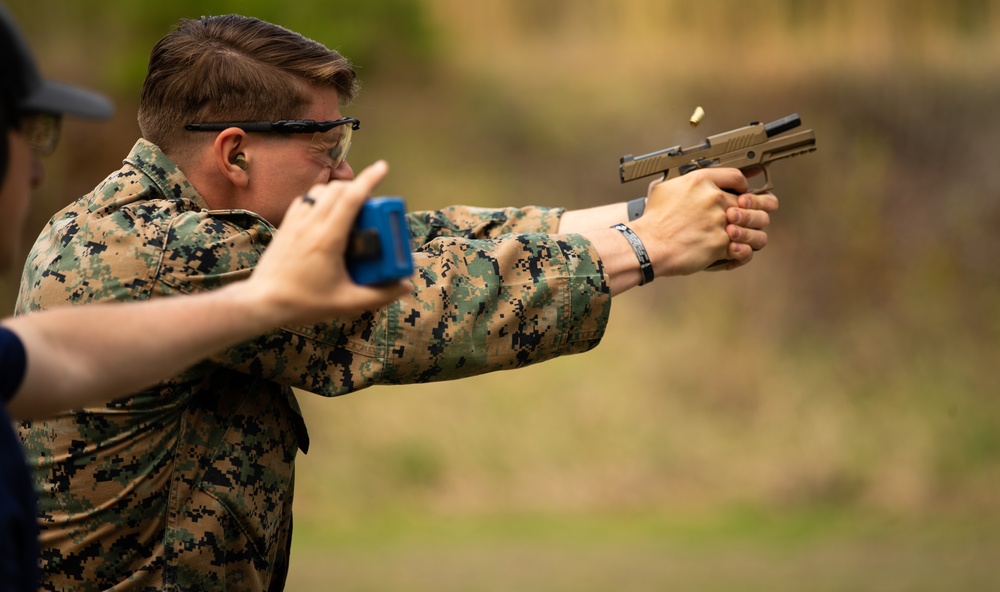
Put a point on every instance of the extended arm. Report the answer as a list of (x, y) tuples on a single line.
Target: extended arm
[(78, 356)]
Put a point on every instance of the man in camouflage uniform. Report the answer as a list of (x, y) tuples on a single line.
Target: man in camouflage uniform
[(188, 485)]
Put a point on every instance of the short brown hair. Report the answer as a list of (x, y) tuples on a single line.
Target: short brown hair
[(234, 68)]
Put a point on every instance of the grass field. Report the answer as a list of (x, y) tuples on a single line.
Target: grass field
[(738, 551), (648, 466)]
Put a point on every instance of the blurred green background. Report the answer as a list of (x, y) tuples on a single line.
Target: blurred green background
[(826, 418)]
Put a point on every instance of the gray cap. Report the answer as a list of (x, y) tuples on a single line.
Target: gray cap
[(24, 89)]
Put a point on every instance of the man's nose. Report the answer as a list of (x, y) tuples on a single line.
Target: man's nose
[(344, 172)]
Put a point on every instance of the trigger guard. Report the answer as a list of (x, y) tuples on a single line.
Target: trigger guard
[(766, 187)]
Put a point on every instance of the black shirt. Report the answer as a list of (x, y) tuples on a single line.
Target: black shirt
[(18, 529)]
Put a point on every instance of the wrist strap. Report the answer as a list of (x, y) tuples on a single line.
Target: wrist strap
[(645, 265), (636, 207)]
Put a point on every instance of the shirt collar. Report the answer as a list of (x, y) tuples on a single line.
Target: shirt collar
[(163, 172)]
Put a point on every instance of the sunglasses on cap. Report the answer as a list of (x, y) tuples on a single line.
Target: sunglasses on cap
[(41, 131)]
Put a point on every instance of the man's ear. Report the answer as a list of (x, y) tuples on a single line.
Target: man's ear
[(228, 151)]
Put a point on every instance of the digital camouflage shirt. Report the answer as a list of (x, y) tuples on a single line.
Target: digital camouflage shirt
[(188, 485)]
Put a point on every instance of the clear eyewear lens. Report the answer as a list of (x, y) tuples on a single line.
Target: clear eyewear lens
[(42, 132), (331, 147)]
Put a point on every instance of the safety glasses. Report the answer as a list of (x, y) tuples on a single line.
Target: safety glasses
[(330, 142)]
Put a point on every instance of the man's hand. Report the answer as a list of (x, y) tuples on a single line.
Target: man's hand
[(695, 220), (303, 274)]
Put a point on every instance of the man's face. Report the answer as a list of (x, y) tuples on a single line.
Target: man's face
[(287, 166), (24, 173)]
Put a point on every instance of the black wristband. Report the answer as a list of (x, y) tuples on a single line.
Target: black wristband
[(645, 265), (636, 207)]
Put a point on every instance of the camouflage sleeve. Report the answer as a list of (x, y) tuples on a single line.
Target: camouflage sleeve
[(480, 223), (477, 306), (486, 305)]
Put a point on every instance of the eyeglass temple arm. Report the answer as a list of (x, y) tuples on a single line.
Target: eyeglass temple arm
[(287, 126), (247, 126)]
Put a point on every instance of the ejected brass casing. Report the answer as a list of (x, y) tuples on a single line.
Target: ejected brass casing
[(696, 117)]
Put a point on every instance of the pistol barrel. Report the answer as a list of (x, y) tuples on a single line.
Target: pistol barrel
[(782, 125)]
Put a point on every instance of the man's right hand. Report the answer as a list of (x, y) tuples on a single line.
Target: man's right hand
[(695, 220)]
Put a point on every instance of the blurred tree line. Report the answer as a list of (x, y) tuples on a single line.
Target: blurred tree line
[(873, 313)]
